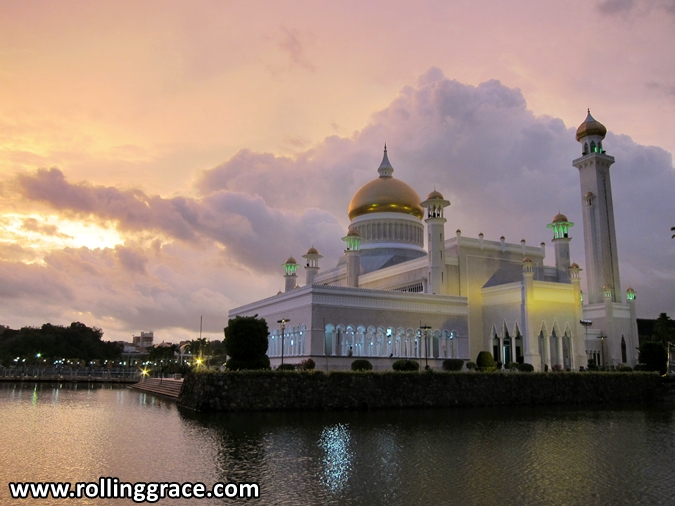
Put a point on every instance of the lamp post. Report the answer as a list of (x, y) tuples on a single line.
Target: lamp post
[(283, 322), (669, 369), (424, 328)]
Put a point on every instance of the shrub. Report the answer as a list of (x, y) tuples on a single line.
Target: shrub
[(471, 366), (526, 367), (625, 368), (485, 362), (593, 367), (453, 364), (404, 364), (307, 365), (240, 364), (513, 366), (361, 364), (640, 367), (286, 367), (557, 368)]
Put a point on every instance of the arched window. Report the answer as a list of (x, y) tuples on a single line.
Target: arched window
[(585, 151), (594, 149)]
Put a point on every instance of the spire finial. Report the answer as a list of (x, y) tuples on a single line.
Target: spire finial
[(385, 168)]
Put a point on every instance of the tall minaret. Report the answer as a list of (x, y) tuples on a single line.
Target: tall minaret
[(435, 221), (312, 267), (561, 243), (290, 276), (602, 264)]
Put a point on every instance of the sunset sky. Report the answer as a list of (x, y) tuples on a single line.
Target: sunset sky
[(159, 161)]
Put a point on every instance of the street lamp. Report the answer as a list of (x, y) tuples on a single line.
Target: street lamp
[(283, 322), (426, 345)]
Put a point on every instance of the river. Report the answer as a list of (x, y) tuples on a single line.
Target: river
[(492, 456)]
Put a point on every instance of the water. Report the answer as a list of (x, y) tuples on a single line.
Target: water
[(524, 456)]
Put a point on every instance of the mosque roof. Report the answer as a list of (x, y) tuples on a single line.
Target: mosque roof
[(385, 195), (591, 126), (559, 218)]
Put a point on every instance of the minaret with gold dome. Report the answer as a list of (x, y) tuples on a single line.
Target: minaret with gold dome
[(602, 263), (387, 214)]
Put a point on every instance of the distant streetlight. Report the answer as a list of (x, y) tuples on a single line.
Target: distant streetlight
[(283, 322), (424, 328)]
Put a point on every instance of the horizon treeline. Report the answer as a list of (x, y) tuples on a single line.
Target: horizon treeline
[(33, 345)]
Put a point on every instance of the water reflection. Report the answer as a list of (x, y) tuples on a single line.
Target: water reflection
[(470, 456)]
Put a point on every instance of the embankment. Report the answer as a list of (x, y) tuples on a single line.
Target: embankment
[(271, 390)]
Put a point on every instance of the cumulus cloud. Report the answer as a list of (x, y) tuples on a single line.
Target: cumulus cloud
[(505, 171)]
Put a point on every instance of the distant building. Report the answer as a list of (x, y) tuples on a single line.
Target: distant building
[(143, 341), (390, 297)]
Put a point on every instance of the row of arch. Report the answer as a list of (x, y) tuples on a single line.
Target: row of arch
[(401, 231), (293, 341), (369, 341), (555, 348), (595, 148)]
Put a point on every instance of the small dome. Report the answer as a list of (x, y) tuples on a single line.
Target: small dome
[(591, 126), (353, 233), (435, 195), (559, 218), (630, 289), (312, 251), (574, 265), (527, 259), (291, 260), (589, 195)]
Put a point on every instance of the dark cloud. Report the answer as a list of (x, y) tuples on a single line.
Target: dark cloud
[(635, 7)]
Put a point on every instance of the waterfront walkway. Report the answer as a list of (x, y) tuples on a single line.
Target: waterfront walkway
[(160, 386)]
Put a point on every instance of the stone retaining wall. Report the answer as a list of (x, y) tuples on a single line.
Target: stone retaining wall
[(271, 390)]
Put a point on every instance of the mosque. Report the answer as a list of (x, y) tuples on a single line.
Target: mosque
[(389, 297)]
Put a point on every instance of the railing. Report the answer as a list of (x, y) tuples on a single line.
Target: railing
[(68, 374)]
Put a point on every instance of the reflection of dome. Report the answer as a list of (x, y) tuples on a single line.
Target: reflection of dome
[(559, 217), (591, 127), (574, 266), (291, 260), (385, 195), (527, 259), (353, 233)]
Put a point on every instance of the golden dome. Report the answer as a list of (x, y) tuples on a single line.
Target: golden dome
[(291, 260), (559, 217), (527, 259), (435, 195), (353, 233), (385, 195), (312, 251), (591, 126), (574, 266)]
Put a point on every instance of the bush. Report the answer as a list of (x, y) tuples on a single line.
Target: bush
[(593, 367), (640, 367), (361, 364), (453, 364), (557, 368), (485, 362), (307, 365), (654, 356), (625, 368), (404, 364), (246, 343), (238, 364), (471, 366), (526, 367), (513, 366), (286, 367)]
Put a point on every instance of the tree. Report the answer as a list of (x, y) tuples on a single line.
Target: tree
[(654, 356), (663, 330), (246, 343)]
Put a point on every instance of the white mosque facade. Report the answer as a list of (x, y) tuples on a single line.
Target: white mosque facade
[(391, 298)]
